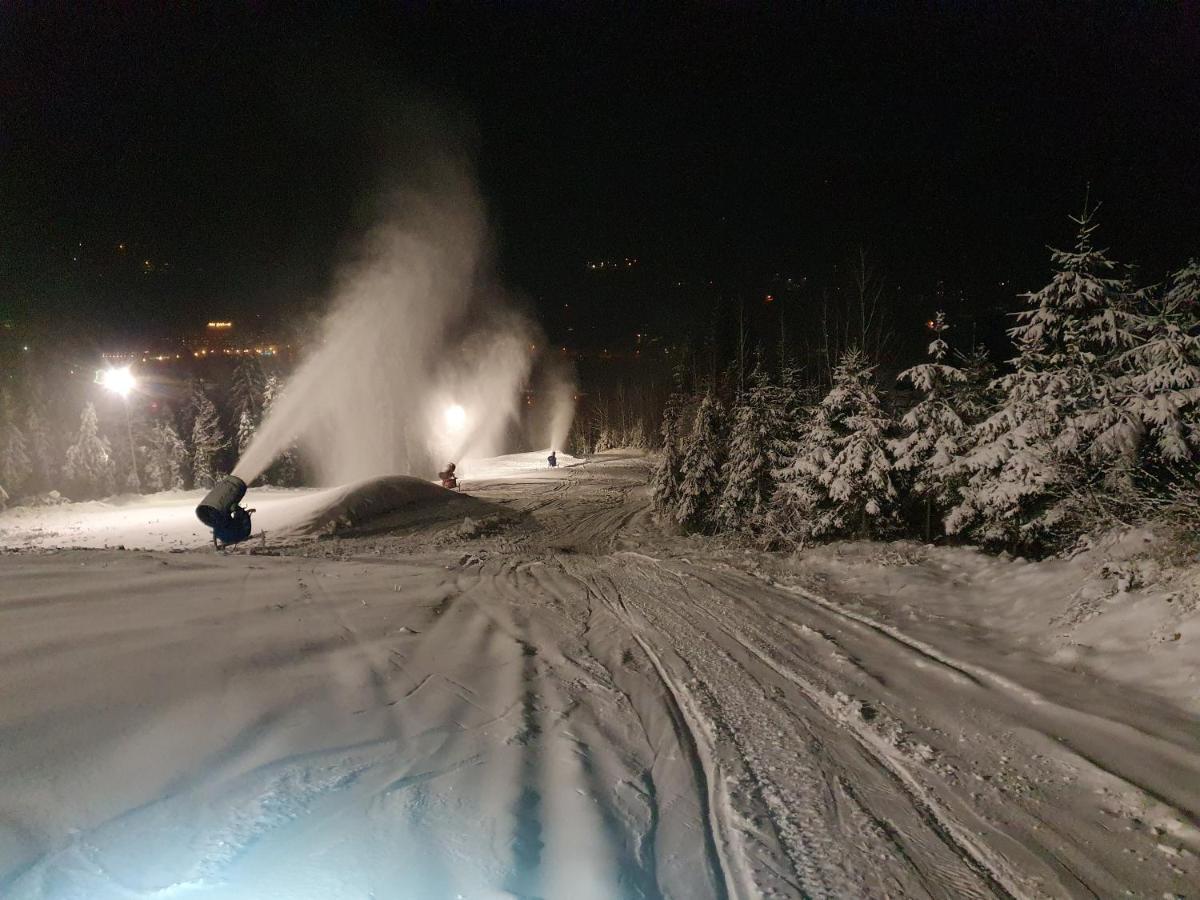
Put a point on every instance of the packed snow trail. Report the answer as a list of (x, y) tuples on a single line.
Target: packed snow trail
[(566, 705)]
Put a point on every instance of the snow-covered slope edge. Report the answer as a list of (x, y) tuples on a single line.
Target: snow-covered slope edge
[(1126, 607)]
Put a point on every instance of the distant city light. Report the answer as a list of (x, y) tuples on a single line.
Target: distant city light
[(119, 381), (220, 324)]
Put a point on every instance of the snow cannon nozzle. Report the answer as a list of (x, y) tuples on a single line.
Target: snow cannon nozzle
[(219, 510)]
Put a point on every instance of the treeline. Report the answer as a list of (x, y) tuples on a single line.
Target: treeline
[(621, 417), (165, 437), (1094, 421)]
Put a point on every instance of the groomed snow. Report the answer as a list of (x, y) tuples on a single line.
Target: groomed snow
[(576, 704), (514, 465)]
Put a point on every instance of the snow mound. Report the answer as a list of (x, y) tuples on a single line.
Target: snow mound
[(379, 504)]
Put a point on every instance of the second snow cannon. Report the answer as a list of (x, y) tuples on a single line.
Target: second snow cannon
[(219, 510)]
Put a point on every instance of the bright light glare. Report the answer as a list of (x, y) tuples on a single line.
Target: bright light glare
[(456, 417), (119, 381)]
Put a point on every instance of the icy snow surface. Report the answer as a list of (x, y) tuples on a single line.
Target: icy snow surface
[(555, 698)]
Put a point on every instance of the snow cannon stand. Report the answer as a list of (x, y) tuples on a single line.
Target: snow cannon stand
[(219, 510)]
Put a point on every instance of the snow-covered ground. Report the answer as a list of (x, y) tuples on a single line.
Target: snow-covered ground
[(564, 701), (168, 520)]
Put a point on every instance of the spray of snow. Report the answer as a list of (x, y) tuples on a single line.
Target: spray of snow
[(551, 411), (423, 359), (560, 394)]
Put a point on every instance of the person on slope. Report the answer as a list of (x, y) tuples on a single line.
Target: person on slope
[(552, 459), (449, 479)]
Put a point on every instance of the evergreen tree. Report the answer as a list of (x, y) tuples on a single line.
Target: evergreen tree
[(245, 431), (16, 467), (41, 445), (207, 441), (1093, 306), (1057, 408), (703, 456), (974, 395), (89, 466), (936, 429), (1162, 371), (759, 426), (126, 436), (668, 474), (795, 414), (247, 390), (166, 458), (839, 480), (636, 438)]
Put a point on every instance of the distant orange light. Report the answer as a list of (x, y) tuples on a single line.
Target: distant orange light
[(770, 298)]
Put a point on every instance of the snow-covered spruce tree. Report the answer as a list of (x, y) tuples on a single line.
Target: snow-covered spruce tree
[(758, 431), (41, 444), (89, 466), (166, 458), (636, 437), (839, 479), (703, 456), (935, 428), (974, 396), (16, 467), (1059, 417), (668, 473), (247, 389), (245, 431), (207, 441), (796, 408), (1162, 372), (126, 433)]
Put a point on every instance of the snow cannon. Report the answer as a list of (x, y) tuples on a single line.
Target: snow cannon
[(219, 510)]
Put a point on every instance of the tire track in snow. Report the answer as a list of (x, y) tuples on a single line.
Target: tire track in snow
[(956, 838), (813, 852), (754, 857)]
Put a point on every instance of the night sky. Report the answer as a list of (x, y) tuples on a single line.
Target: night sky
[(244, 148)]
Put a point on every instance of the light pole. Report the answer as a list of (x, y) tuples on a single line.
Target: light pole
[(122, 381)]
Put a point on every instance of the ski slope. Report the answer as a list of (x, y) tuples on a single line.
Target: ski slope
[(168, 521), (569, 704)]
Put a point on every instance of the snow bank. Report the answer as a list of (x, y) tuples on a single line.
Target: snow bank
[(1127, 607)]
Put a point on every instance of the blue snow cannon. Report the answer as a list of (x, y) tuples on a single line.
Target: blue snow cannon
[(219, 510)]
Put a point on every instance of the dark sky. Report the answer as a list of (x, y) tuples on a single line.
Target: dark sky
[(243, 147)]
